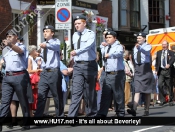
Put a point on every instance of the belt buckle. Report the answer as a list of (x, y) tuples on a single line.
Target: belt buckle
[(10, 73), (49, 70), (113, 72), (82, 62)]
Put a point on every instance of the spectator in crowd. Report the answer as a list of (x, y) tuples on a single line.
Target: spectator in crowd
[(129, 75), (164, 68)]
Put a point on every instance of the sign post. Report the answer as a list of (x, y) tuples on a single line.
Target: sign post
[(63, 14)]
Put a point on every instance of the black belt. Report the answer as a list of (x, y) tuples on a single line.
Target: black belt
[(51, 69), (13, 73), (114, 72), (84, 62), (164, 69)]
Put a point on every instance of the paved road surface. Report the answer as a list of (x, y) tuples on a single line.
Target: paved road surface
[(156, 111)]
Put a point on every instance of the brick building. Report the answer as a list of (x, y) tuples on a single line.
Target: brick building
[(126, 17), (11, 11), (172, 13)]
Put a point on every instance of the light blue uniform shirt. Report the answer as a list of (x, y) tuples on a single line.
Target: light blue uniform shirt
[(53, 56), (15, 61), (87, 51), (145, 53), (65, 78), (115, 60)]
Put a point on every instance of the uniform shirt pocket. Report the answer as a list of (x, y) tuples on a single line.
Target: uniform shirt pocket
[(75, 40), (15, 59), (84, 42)]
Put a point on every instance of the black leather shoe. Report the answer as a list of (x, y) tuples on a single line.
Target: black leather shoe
[(0, 128), (25, 128), (130, 105), (10, 126), (146, 113), (38, 125), (162, 103), (44, 115), (132, 112), (171, 103)]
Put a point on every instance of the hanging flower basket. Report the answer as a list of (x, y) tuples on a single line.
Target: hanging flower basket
[(30, 16), (89, 20), (100, 23)]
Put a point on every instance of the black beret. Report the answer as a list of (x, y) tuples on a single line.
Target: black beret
[(141, 34), (80, 17), (107, 29), (111, 33), (11, 32), (49, 27)]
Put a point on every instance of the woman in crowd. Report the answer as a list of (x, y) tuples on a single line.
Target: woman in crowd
[(129, 75), (98, 88), (34, 69), (156, 95)]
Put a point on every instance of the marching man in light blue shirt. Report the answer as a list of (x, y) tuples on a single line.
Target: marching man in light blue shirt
[(114, 82), (50, 77), (85, 69), (16, 78)]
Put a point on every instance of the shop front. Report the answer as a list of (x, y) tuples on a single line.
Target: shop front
[(127, 39)]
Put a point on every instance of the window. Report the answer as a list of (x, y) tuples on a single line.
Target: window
[(135, 13), (129, 13), (123, 12), (16, 23), (156, 11)]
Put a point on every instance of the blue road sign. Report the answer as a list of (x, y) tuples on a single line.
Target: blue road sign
[(63, 15)]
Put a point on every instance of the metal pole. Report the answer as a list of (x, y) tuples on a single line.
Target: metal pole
[(65, 51)]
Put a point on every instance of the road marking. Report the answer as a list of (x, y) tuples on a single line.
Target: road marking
[(141, 130)]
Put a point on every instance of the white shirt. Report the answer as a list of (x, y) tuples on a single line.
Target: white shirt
[(34, 64), (162, 58)]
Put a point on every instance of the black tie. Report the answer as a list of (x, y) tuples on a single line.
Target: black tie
[(164, 62), (109, 47), (79, 40), (45, 54), (139, 57)]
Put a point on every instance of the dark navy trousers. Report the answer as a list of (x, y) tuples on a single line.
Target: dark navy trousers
[(50, 80), (84, 81)]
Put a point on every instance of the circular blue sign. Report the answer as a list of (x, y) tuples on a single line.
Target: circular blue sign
[(63, 15)]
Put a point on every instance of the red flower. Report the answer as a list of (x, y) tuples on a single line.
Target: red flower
[(98, 20), (26, 12)]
